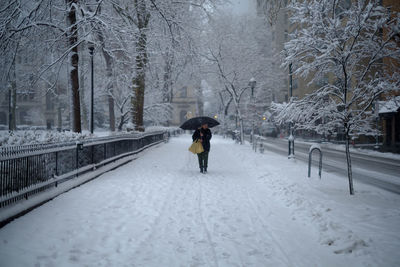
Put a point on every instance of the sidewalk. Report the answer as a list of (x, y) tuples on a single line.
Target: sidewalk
[(249, 210), (381, 170)]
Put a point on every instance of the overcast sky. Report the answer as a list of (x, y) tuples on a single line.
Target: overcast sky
[(243, 6)]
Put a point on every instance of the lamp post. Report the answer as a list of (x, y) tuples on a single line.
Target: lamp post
[(10, 118), (291, 137), (376, 109), (91, 50), (252, 84)]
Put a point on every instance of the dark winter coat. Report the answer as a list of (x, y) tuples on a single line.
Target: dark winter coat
[(205, 138)]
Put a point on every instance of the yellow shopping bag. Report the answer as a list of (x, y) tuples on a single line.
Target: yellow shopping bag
[(196, 147)]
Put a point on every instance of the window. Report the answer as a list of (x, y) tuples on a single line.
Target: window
[(49, 102), (3, 118), (49, 124), (347, 4), (295, 84), (183, 92), (182, 116), (23, 117), (342, 7)]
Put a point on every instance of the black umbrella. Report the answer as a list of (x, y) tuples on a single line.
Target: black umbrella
[(195, 123)]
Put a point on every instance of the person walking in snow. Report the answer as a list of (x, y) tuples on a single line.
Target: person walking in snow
[(203, 134)]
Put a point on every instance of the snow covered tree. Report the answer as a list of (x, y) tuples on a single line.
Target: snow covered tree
[(47, 33), (149, 20), (271, 8), (235, 52), (345, 45), (124, 32)]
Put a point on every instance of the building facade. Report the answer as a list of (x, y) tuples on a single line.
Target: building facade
[(389, 110), (186, 103)]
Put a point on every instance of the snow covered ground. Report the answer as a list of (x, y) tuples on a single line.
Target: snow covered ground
[(249, 210)]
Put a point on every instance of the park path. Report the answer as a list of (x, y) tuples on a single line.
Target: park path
[(158, 210)]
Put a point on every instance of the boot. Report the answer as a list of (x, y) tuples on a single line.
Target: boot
[(201, 169), (205, 170)]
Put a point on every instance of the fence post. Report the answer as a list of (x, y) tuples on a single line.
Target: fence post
[(105, 151), (79, 146), (56, 164)]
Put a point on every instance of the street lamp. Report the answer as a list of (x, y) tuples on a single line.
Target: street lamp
[(10, 118), (91, 50), (291, 137), (252, 84)]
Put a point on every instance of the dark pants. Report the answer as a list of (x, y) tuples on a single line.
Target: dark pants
[(203, 159)]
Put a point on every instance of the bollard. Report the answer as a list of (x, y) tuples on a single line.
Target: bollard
[(291, 147), (261, 148), (166, 137), (312, 148)]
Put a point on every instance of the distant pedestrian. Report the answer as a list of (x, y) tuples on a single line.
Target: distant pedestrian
[(203, 134)]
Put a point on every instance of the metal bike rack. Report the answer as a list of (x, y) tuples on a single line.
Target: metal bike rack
[(312, 148)]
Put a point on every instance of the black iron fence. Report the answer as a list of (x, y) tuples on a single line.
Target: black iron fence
[(27, 170)]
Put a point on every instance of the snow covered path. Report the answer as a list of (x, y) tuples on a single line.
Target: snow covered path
[(249, 210)]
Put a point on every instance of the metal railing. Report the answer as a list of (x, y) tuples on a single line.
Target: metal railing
[(28, 170)]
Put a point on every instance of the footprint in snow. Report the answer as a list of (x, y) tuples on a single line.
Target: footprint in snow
[(355, 246)]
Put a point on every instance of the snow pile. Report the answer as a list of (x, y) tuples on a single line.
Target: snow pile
[(250, 210), (389, 106), (315, 146)]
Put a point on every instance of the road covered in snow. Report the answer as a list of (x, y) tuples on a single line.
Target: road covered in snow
[(249, 210)]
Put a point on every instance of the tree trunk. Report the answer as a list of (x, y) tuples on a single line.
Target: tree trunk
[(239, 117), (121, 122), (346, 128), (12, 100), (241, 131), (74, 74), (110, 91), (167, 79), (138, 101), (111, 112), (84, 110), (110, 85), (59, 118), (349, 172), (13, 106), (139, 82)]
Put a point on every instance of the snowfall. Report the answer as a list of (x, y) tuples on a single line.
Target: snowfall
[(250, 209)]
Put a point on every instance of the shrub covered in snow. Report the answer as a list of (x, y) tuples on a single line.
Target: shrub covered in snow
[(30, 137)]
